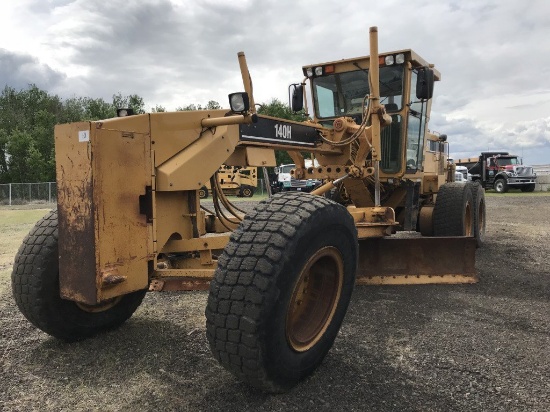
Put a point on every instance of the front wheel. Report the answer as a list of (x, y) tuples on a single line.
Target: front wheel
[(281, 290), (203, 192), (35, 286), (501, 186), (528, 188), (247, 191)]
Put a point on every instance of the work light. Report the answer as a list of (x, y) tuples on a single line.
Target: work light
[(124, 112), (239, 102)]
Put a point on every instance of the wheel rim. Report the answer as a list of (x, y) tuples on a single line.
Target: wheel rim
[(246, 192), (100, 307), (202, 194), (468, 220), (314, 299), (499, 187)]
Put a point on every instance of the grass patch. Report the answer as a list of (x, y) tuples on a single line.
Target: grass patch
[(515, 193), (14, 226)]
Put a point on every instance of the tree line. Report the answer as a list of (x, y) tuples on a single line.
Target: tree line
[(28, 117)]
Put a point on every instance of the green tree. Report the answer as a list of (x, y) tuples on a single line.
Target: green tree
[(97, 109), (133, 101), (18, 148), (4, 169), (27, 120), (158, 109), (276, 108), (73, 110), (211, 105)]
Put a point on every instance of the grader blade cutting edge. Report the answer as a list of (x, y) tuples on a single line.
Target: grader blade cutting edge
[(406, 261)]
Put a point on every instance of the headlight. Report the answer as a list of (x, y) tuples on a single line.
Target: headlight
[(400, 58), (319, 71), (389, 60), (309, 72)]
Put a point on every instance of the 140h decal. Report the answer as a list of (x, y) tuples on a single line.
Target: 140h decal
[(283, 131)]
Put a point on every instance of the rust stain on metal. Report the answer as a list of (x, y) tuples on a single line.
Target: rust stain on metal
[(110, 277), (179, 284), (156, 286), (76, 227), (77, 260)]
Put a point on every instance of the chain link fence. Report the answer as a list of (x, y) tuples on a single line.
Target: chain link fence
[(28, 193)]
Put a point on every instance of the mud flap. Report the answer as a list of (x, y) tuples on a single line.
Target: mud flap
[(422, 260)]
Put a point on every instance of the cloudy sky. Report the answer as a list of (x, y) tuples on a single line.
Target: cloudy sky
[(494, 55)]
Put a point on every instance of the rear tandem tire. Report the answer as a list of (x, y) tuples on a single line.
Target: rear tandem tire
[(478, 195), (281, 290), (528, 188), (453, 213), (35, 286)]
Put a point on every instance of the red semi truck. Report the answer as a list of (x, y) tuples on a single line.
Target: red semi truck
[(500, 171)]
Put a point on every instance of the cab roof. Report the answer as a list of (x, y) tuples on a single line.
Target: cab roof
[(362, 62)]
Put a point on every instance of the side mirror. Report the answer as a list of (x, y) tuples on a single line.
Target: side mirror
[(296, 97), (425, 83)]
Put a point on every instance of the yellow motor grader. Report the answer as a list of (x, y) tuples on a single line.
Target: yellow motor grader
[(130, 219)]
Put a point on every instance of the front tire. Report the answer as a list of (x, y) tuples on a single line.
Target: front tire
[(281, 290), (35, 287), (528, 188), (501, 186)]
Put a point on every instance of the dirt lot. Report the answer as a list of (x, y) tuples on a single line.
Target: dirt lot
[(481, 347)]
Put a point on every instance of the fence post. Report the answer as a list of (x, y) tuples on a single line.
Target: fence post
[(10, 194), (49, 192)]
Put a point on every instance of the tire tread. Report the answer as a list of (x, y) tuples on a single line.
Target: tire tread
[(448, 210)]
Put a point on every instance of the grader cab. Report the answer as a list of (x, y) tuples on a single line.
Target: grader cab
[(130, 219)]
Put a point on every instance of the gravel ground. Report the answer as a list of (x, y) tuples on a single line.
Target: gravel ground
[(482, 347)]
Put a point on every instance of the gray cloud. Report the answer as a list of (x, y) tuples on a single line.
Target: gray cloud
[(19, 70), (467, 138), (493, 62)]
